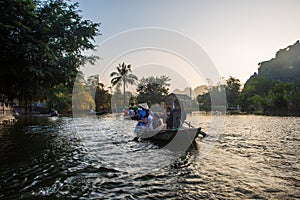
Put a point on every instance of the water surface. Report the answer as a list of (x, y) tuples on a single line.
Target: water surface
[(251, 157)]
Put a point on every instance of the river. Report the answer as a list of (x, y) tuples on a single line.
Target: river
[(243, 157)]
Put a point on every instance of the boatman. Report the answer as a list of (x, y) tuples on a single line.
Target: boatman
[(176, 117)]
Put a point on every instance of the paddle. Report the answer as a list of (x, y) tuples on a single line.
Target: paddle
[(190, 125)]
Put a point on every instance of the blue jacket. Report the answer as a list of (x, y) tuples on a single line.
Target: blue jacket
[(142, 115)]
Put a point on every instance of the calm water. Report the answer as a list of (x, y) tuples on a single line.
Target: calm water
[(251, 157)]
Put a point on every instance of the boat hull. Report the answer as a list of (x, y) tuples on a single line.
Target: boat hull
[(164, 137)]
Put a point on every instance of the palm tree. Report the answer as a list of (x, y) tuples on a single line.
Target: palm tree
[(123, 75)]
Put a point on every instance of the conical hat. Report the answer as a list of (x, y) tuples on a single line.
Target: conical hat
[(144, 105)]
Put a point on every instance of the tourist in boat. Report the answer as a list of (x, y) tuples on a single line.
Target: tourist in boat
[(156, 122), (53, 112), (126, 112), (167, 113), (133, 111), (176, 116), (153, 120), (149, 125), (143, 113), (168, 110)]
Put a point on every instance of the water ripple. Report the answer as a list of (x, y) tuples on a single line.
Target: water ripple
[(255, 157)]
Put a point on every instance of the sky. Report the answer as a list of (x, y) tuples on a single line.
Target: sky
[(235, 35)]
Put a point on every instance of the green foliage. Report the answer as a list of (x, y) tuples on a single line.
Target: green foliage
[(82, 100), (294, 104), (257, 103), (252, 97), (41, 46), (102, 99), (153, 89), (89, 95), (280, 98), (60, 98), (217, 94), (232, 88), (275, 89), (214, 99), (204, 102), (93, 83)]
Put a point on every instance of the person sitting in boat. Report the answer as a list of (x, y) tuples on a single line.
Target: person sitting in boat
[(149, 125), (153, 120), (133, 111), (176, 117), (53, 112), (156, 121), (126, 112), (143, 113), (167, 113)]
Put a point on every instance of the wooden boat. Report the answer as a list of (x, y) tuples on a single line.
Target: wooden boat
[(163, 137)]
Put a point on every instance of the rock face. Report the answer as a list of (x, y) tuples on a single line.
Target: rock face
[(284, 67), (197, 91)]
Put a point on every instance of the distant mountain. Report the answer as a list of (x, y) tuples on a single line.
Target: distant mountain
[(197, 91), (284, 67), (201, 89), (186, 91)]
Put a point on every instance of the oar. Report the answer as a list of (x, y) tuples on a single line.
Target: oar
[(190, 125)]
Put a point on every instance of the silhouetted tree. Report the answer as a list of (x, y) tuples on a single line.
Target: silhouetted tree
[(123, 75), (153, 89), (41, 46), (102, 99), (232, 87)]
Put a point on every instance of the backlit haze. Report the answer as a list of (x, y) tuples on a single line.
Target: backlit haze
[(235, 34)]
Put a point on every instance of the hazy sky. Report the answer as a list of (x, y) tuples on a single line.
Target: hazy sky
[(235, 34)]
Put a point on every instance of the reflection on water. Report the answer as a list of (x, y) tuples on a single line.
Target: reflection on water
[(253, 157)]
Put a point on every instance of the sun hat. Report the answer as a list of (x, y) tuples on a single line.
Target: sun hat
[(144, 105)]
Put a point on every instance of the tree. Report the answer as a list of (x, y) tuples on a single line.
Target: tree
[(93, 83), (123, 75), (102, 99), (204, 102), (16, 24), (232, 91), (153, 89), (82, 100), (280, 96), (60, 98), (295, 101), (254, 93), (275, 88), (42, 44), (214, 99)]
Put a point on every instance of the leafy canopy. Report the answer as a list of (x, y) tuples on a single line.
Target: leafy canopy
[(41, 46), (123, 75), (153, 89)]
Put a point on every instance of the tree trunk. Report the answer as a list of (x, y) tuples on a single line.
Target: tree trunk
[(124, 93)]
